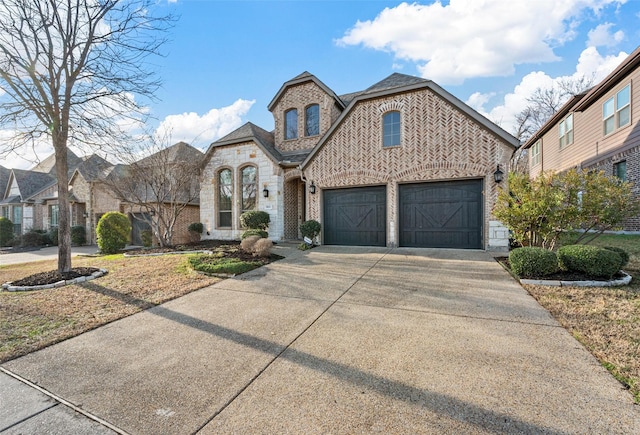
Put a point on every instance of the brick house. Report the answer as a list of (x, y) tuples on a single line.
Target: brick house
[(596, 130), (401, 163)]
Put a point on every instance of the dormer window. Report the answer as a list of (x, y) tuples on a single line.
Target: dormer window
[(391, 129), (291, 124), (312, 120)]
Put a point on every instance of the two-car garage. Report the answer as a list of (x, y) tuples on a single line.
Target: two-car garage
[(446, 214)]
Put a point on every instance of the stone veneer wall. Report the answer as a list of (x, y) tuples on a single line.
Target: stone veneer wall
[(632, 157), (269, 174), (299, 97), (437, 143)]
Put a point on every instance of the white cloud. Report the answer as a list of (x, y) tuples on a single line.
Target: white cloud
[(602, 36), (471, 38), (201, 130), (590, 63)]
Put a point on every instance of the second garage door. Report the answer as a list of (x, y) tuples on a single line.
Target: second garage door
[(355, 216), (441, 214)]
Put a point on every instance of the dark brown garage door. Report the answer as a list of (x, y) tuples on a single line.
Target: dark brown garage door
[(441, 215), (355, 217)]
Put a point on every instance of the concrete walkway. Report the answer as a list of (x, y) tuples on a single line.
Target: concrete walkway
[(333, 340)]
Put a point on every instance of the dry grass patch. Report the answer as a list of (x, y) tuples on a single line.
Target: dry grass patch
[(33, 320)]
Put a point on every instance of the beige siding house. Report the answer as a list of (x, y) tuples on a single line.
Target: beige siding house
[(596, 130), (401, 163)]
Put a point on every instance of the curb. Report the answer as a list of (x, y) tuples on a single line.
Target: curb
[(555, 283), (15, 288)]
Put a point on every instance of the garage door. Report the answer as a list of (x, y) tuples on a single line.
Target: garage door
[(441, 215), (355, 216)]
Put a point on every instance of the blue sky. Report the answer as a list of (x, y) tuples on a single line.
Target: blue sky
[(227, 59)]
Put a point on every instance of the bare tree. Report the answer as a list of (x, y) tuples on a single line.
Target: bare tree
[(158, 188), (72, 70)]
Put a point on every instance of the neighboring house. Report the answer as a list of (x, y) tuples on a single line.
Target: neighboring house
[(596, 130), (402, 163), (23, 199)]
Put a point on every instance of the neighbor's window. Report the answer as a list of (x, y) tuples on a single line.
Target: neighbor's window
[(249, 188), (17, 219), (391, 129), (225, 193), (291, 124), (312, 120), (620, 170), (616, 111), (535, 154), (565, 130), (53, 215)]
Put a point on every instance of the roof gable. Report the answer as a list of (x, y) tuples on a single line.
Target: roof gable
[(247, 133), (30, 183), (303, 78)]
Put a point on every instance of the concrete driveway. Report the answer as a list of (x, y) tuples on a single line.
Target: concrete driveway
[(338, 340)]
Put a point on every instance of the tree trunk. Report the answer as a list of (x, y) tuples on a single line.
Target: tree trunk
[(64, 215)]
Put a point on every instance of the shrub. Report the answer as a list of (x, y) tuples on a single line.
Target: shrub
[(262, 247), (147, 238), (6, 232), (254, 232), (78, 235), (624, 255), (32, 239), (210, 264), (593, 261), (113, 232), (303, 247), (255, 219), (533, 261), (196, 227), (310, 229), (247, 243), (53, 236)]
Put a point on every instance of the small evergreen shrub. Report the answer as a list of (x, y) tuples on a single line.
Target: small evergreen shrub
[(147, 238), (46, 237), (211, 264), (113, 232), (32, 239), (254, 232), (196, 227), (593, 261), (310, 229), (6, 232), (624, 255), (248, 242), (255, 219), (78, 235), (262, 247), (531, 261), (53, 236)]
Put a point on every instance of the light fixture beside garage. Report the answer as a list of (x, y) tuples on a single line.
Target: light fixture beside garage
[(312, 188), (265, 191), (498, 175)]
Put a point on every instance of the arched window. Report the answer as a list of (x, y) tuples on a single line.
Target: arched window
[(391, 129), (249, 188), (312, 120), (225, 194), (291, 124)]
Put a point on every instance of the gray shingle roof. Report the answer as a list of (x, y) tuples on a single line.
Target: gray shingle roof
[(179, 152), (250, 132), (48, 165), (4, 179), (32, 182), (395, 80), (94, 167)]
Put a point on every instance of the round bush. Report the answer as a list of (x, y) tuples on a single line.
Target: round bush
[(6, 232), (624, 255), (593, 261), (196, 227), (255, 219), (78, 235), (254, 232), (310, 229), (113, 232), (532, 261), (33, 239), (147, 238)]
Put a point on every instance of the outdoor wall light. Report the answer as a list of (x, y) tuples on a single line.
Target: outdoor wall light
[(85, 214), (265, 192), (498, 175), (312, 188)]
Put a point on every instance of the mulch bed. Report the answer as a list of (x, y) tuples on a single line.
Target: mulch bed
[(54, 276), (197, 246)]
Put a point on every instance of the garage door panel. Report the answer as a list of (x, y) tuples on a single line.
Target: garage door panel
[(441, 215), (355, 216)]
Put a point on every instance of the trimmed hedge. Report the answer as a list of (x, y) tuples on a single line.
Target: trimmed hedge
[(310, 229), (254, 232), (113, 232), (624, 255), (196, 227), (593, 261), (532, 261), (255, 220)]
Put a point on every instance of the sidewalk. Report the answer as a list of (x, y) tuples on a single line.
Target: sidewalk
[(48, 253)]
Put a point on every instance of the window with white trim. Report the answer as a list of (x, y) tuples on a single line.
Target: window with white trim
[(535, 154), (53, 215), (391, 129), (620, 170), (225, 194), (565, 131), (616, 111)]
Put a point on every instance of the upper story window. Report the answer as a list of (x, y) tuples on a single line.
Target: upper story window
[(391, 129), (291, 124), (565, 131), (312, 120), (225, 194), (249, 188), (620, 170), (535, 154), (616, 111)]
